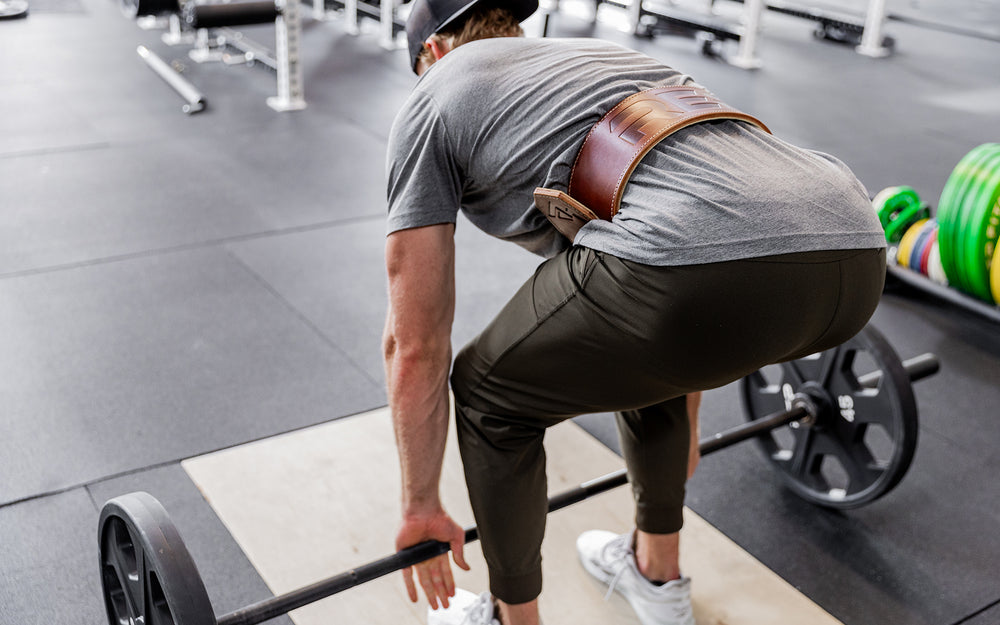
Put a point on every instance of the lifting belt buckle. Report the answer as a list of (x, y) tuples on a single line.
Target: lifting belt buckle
[(562, 211), (616, 144)]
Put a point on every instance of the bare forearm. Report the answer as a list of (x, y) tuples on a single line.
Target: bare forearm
[(418, 399), (417, 350)]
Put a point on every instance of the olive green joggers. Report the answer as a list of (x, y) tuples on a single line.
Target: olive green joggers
[(593, 333)]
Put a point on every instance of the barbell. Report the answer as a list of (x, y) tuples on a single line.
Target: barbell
[(833, 403)]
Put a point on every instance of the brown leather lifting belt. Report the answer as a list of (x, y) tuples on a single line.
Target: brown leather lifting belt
[(617, 143)]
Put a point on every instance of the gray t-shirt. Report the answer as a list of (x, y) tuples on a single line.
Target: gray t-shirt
[(496, 118)]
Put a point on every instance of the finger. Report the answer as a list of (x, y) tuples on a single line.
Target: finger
[(441, 576), (449, 580), (458, 553), (411, 589), (439, 570), (425, 582)]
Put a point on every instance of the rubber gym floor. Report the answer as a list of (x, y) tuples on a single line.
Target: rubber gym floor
[(172, 285)]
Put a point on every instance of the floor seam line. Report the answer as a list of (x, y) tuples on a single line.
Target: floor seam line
[(86, 485), (978, 612), (54, 151), (107, 260), (301, 316)]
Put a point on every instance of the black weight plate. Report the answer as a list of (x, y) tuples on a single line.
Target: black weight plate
[(147, 574), (142, 8), (862, 440)]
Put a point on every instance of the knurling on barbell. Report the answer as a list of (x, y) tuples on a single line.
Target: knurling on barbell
[(828, 400)]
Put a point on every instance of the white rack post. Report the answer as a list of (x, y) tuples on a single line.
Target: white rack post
[(206, 48), (174, 35), (634, 14), (288, 30), (351, 17), (319, 10), (746, 57), (871, 38), (387, 15)]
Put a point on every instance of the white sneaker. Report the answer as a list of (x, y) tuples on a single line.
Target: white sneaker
[(465, 608), (610, 558)]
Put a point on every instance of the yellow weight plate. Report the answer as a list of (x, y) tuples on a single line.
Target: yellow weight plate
[(906, 243)]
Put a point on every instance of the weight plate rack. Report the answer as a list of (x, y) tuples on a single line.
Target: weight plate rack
[(951, 256)]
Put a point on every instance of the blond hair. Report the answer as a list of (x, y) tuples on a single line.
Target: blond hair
[(480, 24)]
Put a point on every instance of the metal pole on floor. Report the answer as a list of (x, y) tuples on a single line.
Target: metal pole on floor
[(195, 100)]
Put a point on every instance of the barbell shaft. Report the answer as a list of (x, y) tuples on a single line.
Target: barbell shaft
[(917, 368)]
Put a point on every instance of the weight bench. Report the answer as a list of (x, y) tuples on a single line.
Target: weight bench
[(206, 25)]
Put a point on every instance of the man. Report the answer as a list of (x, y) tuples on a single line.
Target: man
[(731, 250)]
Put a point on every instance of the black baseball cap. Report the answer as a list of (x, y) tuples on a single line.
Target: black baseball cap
[(430, 16)]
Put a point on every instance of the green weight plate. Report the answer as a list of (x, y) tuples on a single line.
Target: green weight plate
[(904, 220), (966, 201), (147, 574), (950, 213), (890, 201), (862, 439), (982, 216), (949, 237), (949, 209), (980, 237), (969, 201)]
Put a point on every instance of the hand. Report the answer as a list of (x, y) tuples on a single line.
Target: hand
[(434, 575)]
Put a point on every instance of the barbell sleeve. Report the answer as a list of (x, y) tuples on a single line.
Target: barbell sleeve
[(917, 368)]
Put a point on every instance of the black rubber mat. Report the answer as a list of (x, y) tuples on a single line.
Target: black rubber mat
[(302, 266), (120, 366), (48, 561)]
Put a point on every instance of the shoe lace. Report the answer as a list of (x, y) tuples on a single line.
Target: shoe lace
[(617, 551)]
